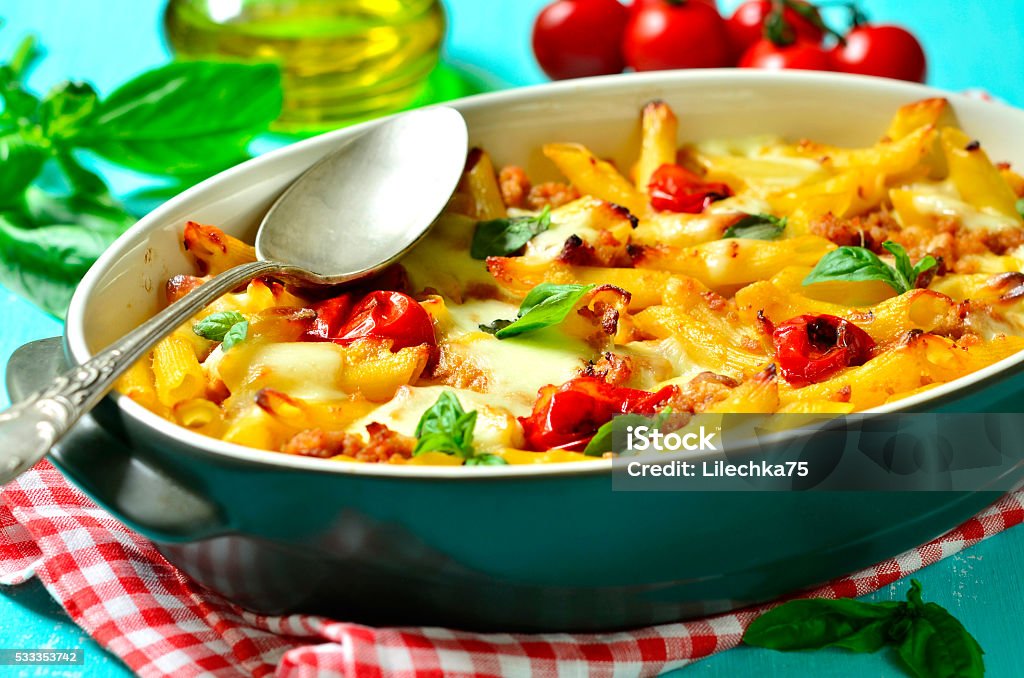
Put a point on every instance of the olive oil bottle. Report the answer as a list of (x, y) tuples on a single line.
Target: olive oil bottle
[(343, 61)]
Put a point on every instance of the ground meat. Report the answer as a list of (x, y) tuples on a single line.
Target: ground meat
[(703, 391), (551, 194), (515, 186), (615, 369), (382, 444), (458, 370), (869, 231)]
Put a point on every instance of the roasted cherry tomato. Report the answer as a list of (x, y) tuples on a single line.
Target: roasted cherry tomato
[(885, 51), (579, 38), (331, 314), (677, 189), (812, 348), (566, 417), (388, 315), (747, 24), (799, 55), (667, 34)]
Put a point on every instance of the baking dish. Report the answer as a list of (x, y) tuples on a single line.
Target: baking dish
[(509, 548)]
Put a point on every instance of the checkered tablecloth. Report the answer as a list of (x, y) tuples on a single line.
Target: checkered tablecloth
[(115, 585)]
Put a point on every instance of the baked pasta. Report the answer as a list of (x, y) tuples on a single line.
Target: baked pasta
[(747, 275)]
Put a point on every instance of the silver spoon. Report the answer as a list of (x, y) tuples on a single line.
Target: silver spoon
[(349, 216)]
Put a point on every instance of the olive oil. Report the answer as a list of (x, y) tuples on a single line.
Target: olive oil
[(343, 61)]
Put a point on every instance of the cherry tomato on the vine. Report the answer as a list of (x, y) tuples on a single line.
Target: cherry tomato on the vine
[(885, 51), (667, 34), (747, 24), (805, 56), (580, 38), (388, 315)]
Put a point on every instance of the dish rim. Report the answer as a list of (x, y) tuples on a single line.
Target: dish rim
[(74, 331)]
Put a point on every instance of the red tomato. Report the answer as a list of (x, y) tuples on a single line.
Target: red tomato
[(566, 417), (811, 348), (330, 315), (800, 55), (746, 25), (579, 38), (677, 189), (885, 51), (667, 34), (388, 315)]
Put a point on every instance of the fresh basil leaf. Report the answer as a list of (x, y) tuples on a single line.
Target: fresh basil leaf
[(216, 325), (45, 263), (904, 268), (26, 56), (547, 304), (235, 335), (935, 644), (446, 427), (854, 264), (501, 237), (603, 440), (97, 212), (20, 105), (496, 326), (816, 623), (757, 227), (21, 161), (185, 117), (67, 108), (1020, 208), (486, 460)]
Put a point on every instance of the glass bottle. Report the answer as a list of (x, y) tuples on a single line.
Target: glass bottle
[(343, 61)]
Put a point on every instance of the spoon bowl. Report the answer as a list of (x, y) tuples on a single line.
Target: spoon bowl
[(349, 216)]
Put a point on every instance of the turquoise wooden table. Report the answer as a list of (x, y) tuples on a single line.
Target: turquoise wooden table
[(974, 45)]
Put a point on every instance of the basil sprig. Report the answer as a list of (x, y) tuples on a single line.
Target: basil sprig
[(446, 427), (757, 227), (929, 640), (501, 237), (228, 327), (185, 121), (860, 264), (547, 304)]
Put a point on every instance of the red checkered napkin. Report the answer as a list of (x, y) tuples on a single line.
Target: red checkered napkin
[(117, 587)]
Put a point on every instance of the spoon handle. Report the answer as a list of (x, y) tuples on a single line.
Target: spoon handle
[(31, 427)]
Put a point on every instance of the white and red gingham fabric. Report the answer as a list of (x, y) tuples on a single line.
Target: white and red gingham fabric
[(117, 587)]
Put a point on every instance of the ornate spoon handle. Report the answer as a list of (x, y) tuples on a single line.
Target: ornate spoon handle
[(31, 427)]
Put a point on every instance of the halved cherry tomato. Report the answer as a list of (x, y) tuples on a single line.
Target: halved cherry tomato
[(811, 348), (677, 189), (885, 51), (566, 417), (579, 38), (331, 314), (667, 34), (799, 55), (388, 315), (747, 24)]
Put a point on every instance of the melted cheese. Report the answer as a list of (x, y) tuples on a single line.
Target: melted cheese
[(943, 200)]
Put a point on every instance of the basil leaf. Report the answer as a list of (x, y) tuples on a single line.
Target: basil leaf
[(860, 264), (496, 326), (21, 161), (67, 108), (216, 326), (815, 623), (185, 117), (501, 237), (97, 212), (1020, 208), (936, 644), (447, 428), (25, 57), (603, 440), (547, 304), (235, 335), (45, 263), (757, 227), (486, 460)]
